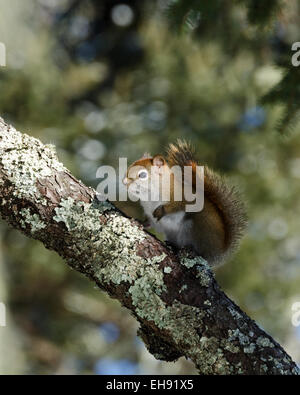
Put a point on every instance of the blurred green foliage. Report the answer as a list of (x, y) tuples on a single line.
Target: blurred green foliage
[(102, 82), (258, 24)]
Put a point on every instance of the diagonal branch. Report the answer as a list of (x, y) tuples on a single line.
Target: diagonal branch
[(180, 307)]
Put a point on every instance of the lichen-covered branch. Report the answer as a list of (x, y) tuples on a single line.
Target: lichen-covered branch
[(181, 310)]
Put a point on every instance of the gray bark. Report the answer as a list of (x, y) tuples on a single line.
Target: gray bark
[(175, 298)]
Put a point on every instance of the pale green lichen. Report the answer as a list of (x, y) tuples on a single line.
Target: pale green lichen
[(278, 365), (113, 243), (113, 247), (183, 288), (120, 233), (167, 269), (235, 313), (145, 296), (250, 349), (204, 276), (237, 334), (25, 159), (177, 318), (264, 342), (156, 259), (33, 220), (212, 356), (80, 215), (296, 371), (191, 262), (203, 269), (230, 347)]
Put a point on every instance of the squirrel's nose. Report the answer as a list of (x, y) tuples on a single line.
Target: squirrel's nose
[(125, 181)]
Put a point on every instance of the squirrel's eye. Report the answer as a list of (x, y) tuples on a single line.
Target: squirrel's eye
[(143, 174)]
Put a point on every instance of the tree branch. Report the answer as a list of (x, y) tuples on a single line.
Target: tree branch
[(180, 307)]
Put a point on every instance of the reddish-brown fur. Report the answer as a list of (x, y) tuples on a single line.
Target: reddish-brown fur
[(217, 228)]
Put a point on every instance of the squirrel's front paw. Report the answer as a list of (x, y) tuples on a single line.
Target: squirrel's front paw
[(159, 212), (146, 224)]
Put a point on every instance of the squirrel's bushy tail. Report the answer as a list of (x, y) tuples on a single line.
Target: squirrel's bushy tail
[(225, 198), (181, 153), (228, 201)]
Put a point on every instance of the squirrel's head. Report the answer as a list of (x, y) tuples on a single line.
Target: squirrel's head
[(145, 175)]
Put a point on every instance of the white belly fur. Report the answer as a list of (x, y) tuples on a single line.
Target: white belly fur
[(175, 227)]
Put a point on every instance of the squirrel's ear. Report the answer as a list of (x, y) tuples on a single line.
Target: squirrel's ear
[(146, 155), (158, 160)]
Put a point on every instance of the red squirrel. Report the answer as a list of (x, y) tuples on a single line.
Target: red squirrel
[(213, 232)]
